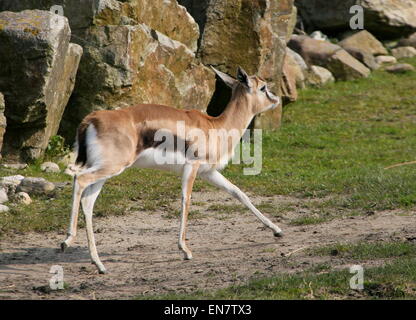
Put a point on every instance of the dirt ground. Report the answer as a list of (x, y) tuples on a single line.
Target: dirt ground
[(140, 252)]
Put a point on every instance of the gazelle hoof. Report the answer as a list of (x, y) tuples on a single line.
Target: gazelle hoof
[(188, 256), (103, 271), (278, 234), (64, 246)]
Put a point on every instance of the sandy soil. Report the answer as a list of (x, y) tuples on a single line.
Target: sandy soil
[(140, 252)]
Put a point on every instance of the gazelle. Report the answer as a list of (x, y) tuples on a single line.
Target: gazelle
[(110, 141)]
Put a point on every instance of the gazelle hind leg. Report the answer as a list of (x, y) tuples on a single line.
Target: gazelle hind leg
[(220, 181), (88, 199), (76, 198), (188, 178)]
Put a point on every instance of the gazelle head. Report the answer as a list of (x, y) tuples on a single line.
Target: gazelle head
[(253, 88)]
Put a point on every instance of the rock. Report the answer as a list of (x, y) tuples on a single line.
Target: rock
[(12, 179), (165, 16), (404, 52), (298, 67), (4, 208), (388, 19), (385, 59), (130, 56), (35, 186), (318, 35), (330, 56), (70, 172), (37, 74), (127, 65), (3, 195), (288, 84), (366, 58), (409, 41), (50, 167), (2, 121), (364, 41), (298, 58), (22, 197), (67, 159), (15, 166), (246, 33), (319, 76), (400, 68), (10, 183)]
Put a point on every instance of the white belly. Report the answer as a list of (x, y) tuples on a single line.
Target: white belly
[(152, 158)]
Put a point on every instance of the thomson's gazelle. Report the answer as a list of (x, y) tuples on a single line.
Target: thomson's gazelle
[(110, 141)]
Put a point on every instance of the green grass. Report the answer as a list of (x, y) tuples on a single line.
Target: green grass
[(336, 141), (333, 146), (368, 251), (394, 280)]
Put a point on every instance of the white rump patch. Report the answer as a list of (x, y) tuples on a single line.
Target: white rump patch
[(94, 152)]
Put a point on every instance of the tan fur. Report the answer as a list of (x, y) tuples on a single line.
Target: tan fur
[(123, 135)]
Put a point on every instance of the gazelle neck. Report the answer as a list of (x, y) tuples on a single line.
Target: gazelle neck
[(237, 114)]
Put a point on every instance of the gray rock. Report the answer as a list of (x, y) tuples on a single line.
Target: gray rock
[(37, 74), (2, 121), (3, 195), (319, 76), (50, 167), (366, 58), (298, 58), (68, 159), (330, 56), (318, 35), (385, 59), (15, 166), (384, 18), (70, 172), (22, 197), (365, 42), (35, 186), (400, 68), (409, 41), (298, 66), (4, 208), (403, 52), (10, 184)]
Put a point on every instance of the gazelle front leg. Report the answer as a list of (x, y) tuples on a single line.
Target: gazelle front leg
[(220, 181), (188, 177)]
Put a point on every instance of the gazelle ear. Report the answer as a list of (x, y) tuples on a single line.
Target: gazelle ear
[(228, 80), (243, 77)]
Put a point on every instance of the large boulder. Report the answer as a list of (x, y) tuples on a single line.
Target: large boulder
[(409, 41), (246, 33), (384, 18), (127, 65), (364, 46), (330, 56), (298, 66), (166, 16), (38, 65), (400, 68), (2, 120), (135, 51), (403, 52), (318, 76), (365, 42), (289, 77)]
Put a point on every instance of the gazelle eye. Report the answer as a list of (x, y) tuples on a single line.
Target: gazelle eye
[(263, 89)]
